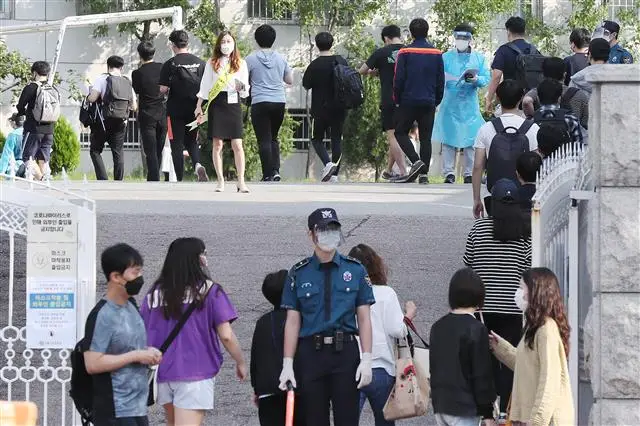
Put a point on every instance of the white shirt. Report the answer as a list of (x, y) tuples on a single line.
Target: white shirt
[(100, 84), (387, 323), (211, 76), (487, 132)]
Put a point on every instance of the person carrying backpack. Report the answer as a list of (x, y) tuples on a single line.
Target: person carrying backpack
[(117, 100), (40, 102), (180, 77), (500, 142), (327, 110), (109, 380), (552, 113), (515, 60)]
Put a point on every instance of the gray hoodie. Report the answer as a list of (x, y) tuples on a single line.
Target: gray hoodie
[(579, 79), (267, 70)]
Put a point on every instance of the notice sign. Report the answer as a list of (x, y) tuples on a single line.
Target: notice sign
[(52, 270), (51, 313)]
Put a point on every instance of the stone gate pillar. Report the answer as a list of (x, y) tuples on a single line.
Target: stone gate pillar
[(612, 329)]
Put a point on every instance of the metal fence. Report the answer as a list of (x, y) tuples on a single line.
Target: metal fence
[(559, 230), (131, 139)]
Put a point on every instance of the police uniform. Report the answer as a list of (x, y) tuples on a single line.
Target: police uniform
[(327, 296), (620, 55)]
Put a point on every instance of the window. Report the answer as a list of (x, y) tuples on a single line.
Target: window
[(83, 7), (6, 9), (614, 7), (265, 9), (530, 8)]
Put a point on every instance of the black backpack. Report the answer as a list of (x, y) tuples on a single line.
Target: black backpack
[(506, 147), (347, 87), (81, 386), (118, 98), (89, 113), (553, 118), (185, 84), (528, 66)]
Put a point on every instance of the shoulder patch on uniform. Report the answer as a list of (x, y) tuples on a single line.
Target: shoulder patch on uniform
[(353, 259), (300, 264), (627, 59)]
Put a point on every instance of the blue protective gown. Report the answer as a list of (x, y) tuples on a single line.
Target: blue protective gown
[(458, 118)]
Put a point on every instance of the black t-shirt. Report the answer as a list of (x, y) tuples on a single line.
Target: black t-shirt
[(178, 104), (384, 60), (25, 107), (319, 78), (145, 83), (575, 63), (505, 58)]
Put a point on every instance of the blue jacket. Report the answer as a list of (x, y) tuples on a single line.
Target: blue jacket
[(419, 76)]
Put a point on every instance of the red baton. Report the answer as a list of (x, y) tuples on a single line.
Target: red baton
[(291, 397)]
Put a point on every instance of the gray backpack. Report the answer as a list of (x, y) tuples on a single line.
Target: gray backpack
[(47, 106), (118, 98)]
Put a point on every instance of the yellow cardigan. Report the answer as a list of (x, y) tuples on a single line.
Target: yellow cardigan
[(541, 392)]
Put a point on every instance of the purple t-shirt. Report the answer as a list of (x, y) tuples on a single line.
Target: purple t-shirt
[(195, 354)]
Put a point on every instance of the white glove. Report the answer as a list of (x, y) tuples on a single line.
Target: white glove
[(287, 374), (364, 373)]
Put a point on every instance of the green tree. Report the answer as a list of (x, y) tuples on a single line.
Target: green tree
[(15, 69), (141, 30), (630, 23), (479, 13), (204, 22), (66, 147)]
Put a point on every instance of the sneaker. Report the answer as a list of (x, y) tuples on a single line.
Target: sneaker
[(328, 171), (31, 170), (276, 177), (389, 176), (266, 179), (502, 419), (468, 179), (450, 179), (201, 172), (333, 179), (423, 179), (416, 168)]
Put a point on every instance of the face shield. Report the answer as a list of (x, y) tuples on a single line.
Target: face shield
[(462, 40), (601, 32)]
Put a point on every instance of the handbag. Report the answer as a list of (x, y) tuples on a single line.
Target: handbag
[(153, 372), (420, 354), (410, 394)]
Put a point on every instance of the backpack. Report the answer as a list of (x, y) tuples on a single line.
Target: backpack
[(81, 385), (348, 91), (566, 98), (89, 113), (46, 108), (118, 98), (506, 147), (528, 66), (185, 84), (553, 118)]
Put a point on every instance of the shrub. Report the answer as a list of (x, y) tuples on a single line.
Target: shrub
[(2, 139), (66, 147), (251, 153)]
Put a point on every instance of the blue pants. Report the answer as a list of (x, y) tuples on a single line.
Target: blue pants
[(377, 392)]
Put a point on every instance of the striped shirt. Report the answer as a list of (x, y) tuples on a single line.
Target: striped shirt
[(500, 264)]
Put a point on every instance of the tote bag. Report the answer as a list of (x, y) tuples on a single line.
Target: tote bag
[(410, 394)]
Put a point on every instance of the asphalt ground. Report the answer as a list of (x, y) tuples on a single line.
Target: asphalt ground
[(419, 230)]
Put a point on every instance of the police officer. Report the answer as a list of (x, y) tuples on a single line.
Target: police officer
[(324, 295), (609, 31)]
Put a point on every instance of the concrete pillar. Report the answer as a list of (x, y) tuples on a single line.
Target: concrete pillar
[(612, 331)]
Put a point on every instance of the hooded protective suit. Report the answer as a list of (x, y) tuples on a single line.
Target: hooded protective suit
[(459, 119)]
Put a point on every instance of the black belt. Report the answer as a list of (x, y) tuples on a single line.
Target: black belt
[(330, 340)]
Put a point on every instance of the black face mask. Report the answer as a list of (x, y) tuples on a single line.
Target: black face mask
[(134, 287)]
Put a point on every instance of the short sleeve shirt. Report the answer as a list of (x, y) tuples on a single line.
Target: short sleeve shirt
[(178, 106), (505, 58), (119, 329), (195, 354), (384, 60), (487, 132), (324, 313)]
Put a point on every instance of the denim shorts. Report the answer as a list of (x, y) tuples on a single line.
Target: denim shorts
[(198, 395)]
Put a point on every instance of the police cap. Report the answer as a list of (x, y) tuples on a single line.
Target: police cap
[(320, 218)]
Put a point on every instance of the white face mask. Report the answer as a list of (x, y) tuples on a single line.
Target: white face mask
[(519, 299), (227, 48), (328, 240), (462, 45)]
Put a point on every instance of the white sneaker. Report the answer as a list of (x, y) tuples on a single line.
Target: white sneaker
[(333, 179), (201, 173), (328, 171), (31, 170)]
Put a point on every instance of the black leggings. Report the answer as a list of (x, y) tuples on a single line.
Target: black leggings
[(267, 118), (509, 327)]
